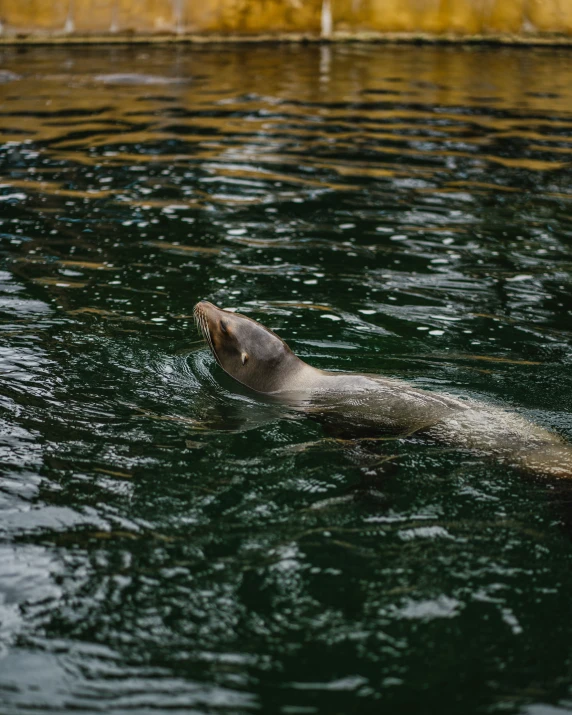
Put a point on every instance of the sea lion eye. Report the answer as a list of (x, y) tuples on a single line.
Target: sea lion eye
[(223, 326)]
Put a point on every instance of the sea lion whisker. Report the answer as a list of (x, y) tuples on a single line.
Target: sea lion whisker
[(203, 324), (198, 322), (207, 333), (197, 313), (204, 328)]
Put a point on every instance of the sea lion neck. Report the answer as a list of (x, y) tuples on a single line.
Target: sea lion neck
[(292, 374)]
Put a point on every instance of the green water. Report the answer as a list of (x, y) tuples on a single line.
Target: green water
[(169, 542)]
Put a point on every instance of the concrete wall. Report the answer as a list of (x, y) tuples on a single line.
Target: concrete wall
[(30, 19)]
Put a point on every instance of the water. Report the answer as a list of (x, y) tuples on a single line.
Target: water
[(169, 542)]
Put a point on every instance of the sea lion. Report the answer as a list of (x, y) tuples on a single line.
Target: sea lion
[(258, 358)]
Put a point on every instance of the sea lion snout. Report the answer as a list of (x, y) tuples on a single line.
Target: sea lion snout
[(211, 316), (208, 310), (214, 324)]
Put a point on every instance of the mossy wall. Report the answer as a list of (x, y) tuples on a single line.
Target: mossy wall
[(29, 19)]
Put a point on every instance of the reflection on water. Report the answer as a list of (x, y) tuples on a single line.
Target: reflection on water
[(169, 541)]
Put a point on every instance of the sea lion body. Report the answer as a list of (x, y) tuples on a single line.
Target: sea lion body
[(261, 360)]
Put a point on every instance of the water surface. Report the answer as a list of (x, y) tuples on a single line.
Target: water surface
[(171, 543)]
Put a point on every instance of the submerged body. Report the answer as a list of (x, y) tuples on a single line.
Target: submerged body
[(259, 359)]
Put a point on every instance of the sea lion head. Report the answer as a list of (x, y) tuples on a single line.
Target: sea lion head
[(245, 349)]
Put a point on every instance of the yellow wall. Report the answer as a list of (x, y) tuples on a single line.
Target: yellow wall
[(528, 18)]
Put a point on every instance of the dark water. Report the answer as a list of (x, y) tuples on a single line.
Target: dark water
[(169, 543)]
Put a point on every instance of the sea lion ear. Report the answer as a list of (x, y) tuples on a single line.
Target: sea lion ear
[(244, 357)]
